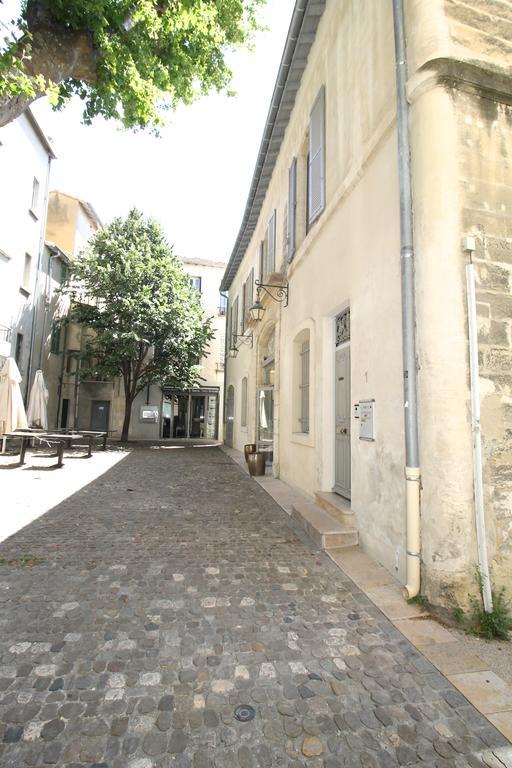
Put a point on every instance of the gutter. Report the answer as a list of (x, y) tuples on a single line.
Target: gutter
[(412, 461)]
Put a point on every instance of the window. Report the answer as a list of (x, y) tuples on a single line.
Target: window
[(195, 282), (243, 412), (223, 304), (270, 246), (316, 159), (35, 196), (304, 386), (27, 271), (249, 295), (292, 209), (301, 386), (222, 351), (55, 339), (61, 272)]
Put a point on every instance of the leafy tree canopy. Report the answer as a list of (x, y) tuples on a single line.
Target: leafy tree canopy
[(145, 319), (126, 59)]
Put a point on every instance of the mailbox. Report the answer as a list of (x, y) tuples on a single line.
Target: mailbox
[(367, 419)]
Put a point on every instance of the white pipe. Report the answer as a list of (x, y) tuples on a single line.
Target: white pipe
[(412, 495), (483, 563)]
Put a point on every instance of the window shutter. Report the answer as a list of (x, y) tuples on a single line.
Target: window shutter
[(261, 259), (234, 326), (250, 291), (292, 208), (243, 311), (271, 244), (316, 161)]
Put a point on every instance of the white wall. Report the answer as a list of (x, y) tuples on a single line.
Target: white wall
[(23, 157)]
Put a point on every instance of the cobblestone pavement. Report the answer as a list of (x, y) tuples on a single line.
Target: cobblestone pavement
[(139, 613)]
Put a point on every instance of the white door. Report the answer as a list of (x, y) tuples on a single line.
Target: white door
[(342, 448)]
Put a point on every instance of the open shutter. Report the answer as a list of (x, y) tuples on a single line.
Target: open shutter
[(261, 260), (271, 244), (249, 294), (234, 322), (292, 208), (243, 308), (316, 162)]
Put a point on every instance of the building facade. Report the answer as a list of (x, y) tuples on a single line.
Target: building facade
[(75, 402), (25, 163), (172, 414), (318, 382)]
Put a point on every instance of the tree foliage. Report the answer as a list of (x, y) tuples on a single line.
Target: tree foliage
[(145, 319), (126, 59)]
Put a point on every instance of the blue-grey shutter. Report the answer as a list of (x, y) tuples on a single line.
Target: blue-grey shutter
[(316, 163), (271, 244), (234, 322), (261, 259), (292, 208)]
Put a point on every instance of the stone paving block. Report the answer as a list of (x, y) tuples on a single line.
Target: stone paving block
[(155, 613)]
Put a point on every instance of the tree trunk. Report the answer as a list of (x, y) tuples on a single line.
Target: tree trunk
[(126, 422), (54, 51)]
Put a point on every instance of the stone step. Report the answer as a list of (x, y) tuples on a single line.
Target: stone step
[(337, 507), (326, 532)]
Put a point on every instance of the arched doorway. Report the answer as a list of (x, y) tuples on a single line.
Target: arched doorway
[(230, 415)]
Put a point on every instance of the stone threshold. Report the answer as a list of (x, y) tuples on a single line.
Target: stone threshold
[(483, 688)]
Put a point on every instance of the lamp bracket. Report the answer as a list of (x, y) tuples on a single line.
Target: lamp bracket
[(280, 295), (245, 338)]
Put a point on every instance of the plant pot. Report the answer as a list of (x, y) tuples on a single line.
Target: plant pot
[(256, 463), (249, 448)]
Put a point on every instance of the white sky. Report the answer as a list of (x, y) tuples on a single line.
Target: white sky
[(195, 178)]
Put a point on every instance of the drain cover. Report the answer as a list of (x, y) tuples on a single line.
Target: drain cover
[(244, 713)]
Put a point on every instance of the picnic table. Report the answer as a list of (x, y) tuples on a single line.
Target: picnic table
[(61, 439)]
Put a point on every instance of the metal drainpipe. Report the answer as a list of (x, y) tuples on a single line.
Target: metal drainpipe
[(412, 462), (478, 483)]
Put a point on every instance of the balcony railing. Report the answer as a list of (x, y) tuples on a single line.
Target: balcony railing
[(5, 334)]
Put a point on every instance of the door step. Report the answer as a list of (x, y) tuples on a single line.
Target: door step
[(336, 506), (324, 530)]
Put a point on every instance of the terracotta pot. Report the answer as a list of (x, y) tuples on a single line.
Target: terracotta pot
[(249, 448), (256, 463)]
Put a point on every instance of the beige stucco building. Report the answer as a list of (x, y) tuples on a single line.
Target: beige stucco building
[(76, 402), (319, 382)]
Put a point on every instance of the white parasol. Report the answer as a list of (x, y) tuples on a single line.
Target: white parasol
[(263, 413), (12, 410), (37, 413)]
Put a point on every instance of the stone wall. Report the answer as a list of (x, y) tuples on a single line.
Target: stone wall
[(485, 130)]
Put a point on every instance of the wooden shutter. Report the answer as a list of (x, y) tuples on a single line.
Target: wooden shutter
[(250, 291), (234, 322), (292, 208), (316, 160), (243, 308), (261, 260), (271, 244)]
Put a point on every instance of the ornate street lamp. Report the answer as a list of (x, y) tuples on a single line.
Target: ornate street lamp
[(276, 292)]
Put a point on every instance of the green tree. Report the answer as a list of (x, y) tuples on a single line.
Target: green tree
[(126, 59), (145, 318)]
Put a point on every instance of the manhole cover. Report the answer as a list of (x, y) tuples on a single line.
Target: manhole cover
[(244, 713)]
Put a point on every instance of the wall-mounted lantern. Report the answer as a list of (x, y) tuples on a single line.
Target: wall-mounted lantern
[(276, 292)]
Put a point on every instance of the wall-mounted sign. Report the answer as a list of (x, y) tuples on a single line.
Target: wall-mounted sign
[(148, 414), (367, 419)]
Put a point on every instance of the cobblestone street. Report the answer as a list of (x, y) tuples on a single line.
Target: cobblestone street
[(142, 611)]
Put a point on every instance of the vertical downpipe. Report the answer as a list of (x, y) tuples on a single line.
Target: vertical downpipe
[(412, 461), (483, 562)]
